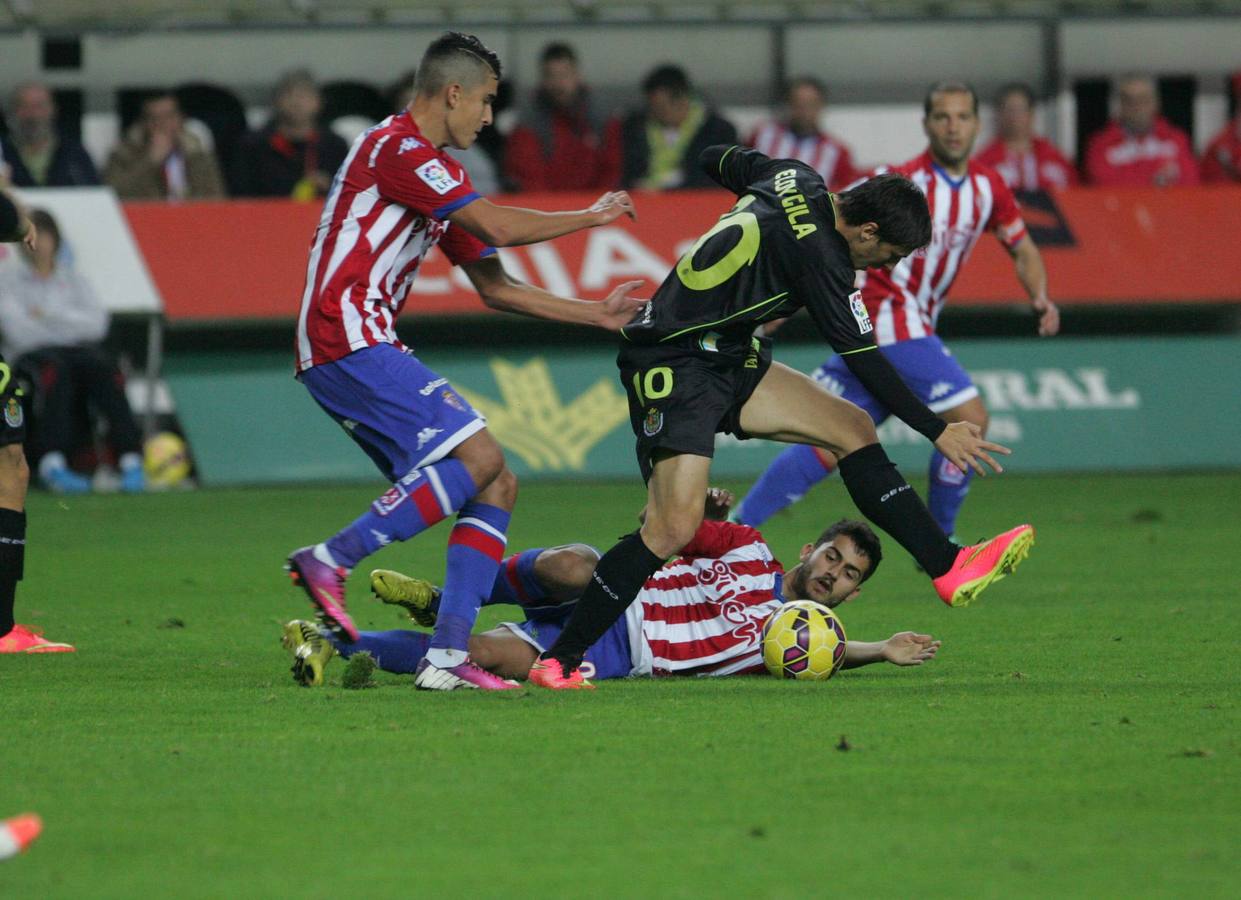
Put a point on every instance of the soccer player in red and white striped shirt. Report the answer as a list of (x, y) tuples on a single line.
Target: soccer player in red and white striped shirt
[(397, 195), (967, 200), (799, 135), (700, 614)]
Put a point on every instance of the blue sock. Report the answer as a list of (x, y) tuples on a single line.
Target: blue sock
[(411, 506), (946, 492), (394, 651), (790, 475), (515, 581), (475, 548)]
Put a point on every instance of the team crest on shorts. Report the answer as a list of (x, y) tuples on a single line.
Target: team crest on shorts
[(13, 416), (653, 422), (452, 400)]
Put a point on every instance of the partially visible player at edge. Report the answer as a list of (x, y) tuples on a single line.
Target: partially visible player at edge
[(700, 614), (396, 196), (966, 198), (691, 367), (15, 225)]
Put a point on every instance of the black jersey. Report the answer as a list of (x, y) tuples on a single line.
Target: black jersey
[(774, 252)]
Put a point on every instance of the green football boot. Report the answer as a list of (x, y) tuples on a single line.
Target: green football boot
[(311, 651), (419, 598)]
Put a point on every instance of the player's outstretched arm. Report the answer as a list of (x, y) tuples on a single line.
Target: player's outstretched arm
[(1033, 277), (961, 442), (511, 226), (906, 648), (502, 291)]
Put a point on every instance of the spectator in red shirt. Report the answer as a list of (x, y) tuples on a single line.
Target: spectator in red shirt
[(1024, 160), (1140, 147), (1222, 159), (798, 135), (563, 141)]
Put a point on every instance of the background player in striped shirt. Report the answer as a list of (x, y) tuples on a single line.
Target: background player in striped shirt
[(700, 614), (966, 199), (396, 196), (799, 135)]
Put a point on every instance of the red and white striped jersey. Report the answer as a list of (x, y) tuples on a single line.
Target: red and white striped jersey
[(905, 303), (703, 613), (387, 207), (822, 152)]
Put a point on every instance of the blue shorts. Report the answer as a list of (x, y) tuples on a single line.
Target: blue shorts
[(608, 657), (925, 364), (396, 409)]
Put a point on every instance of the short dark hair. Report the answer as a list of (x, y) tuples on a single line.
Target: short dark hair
[(44, 223), (450, 49), (863, 537), (807, 81), (1015, 87), (892, 202), (294, 78), (668, 78), (949, 87), (558, 51)]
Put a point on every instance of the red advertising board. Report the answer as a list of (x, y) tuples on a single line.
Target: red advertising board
[(246, 259)]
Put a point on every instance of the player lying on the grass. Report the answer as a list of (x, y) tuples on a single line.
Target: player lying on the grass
[(701, 614), (691, 367), (15, 226), (398, 194)]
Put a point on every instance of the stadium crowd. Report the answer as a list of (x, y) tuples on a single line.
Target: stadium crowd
[(560, 138)]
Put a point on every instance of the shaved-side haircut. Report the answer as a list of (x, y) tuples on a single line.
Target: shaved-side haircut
[(455, 58)]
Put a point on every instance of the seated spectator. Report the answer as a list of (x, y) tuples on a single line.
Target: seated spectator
[(1140, 147), (52, 324), (159, 159), (478, 163), (35, 154), (661, 143), (563, 141), (799, 135), (1026, 161), (1222, 159), (292, 156)]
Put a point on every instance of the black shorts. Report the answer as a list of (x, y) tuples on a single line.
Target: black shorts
[(679, 398), (12, 417)]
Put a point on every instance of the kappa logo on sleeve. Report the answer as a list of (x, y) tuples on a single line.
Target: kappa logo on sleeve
[(859, 313), (436, 176)]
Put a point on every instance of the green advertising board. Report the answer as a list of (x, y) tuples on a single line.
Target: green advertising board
[(1062, 404)]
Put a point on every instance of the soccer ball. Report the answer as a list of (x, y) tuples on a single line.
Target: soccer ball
[(803, 640), (166, 460)]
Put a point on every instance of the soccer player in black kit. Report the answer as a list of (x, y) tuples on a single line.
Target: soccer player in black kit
[(692, 367), (14, 477)]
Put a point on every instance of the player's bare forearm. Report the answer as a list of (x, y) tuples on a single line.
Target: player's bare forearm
[(862, 653), (1028, 264), (512, 226), (906, 648), (501, 291)]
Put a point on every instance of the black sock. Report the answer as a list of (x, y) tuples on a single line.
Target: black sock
[(12, 562), (615, 583), (886, 499)]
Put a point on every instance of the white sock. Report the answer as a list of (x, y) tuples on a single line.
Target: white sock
[(325, 556), (130, 461), (443, 658), (51, 462)]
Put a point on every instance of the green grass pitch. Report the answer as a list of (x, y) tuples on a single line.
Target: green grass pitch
[(1078, 735)]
